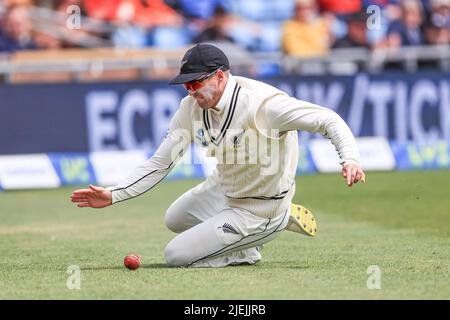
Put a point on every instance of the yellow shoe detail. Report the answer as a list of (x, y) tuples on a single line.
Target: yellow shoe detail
[(302, 221)]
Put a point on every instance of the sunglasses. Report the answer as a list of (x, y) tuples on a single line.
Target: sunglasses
[(197, 84)]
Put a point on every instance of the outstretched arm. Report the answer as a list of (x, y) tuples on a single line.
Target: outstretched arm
[(144, 177), (286, 113)]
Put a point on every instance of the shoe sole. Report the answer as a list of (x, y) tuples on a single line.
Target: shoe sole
[(302, 220)]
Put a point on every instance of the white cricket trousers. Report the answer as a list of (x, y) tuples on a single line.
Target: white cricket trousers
[(211, 234)]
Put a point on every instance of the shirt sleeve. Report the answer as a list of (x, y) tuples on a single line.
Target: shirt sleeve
[(286, 113), (155, 169)]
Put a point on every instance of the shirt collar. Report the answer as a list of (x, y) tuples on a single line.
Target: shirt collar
[(226, 95)]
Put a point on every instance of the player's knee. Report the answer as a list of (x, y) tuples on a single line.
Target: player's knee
[(174, 256), (171, 220)]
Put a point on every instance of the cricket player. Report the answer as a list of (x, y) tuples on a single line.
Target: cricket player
[(251, 129)]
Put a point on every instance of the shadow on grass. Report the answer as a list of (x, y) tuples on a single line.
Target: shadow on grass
[(284, 265), (266, 265), (156, 266), (145, 266)]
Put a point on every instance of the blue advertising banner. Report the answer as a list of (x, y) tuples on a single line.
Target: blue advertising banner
[(305, 163), (413, 156), (58, 169), (85, 117), (396, 106), (73, 168), (135, 115)]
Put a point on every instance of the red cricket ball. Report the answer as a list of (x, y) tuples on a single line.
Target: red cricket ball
[(132, 261)]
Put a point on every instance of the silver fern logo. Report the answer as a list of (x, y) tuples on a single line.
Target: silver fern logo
[(236, 140), (201, 137), (228, 228)]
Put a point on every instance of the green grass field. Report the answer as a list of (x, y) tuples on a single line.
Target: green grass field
[(398, 221)]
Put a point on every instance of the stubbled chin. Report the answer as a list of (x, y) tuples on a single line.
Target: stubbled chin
[(204, 106), (202, 102)]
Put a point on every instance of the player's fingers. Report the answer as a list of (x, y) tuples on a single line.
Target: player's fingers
[(95, 188), (80, 199), (82, 191), (359, 175), (355, 171), (83, 205), (79, 195), (349, 176)]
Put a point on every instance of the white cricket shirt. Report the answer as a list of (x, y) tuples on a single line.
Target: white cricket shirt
[(253, 136)]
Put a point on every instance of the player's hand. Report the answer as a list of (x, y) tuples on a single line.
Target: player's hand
[(93, 197), (353, 174)]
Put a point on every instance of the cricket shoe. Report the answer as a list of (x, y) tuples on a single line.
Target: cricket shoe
[(302, 221)]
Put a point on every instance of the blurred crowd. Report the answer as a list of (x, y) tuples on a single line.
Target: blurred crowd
[(302, 28)]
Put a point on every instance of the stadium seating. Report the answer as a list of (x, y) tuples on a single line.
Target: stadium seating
[(169, 38), (263, 10), (104, 64), (270, 39)]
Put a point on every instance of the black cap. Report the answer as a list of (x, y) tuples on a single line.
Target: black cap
[(199, 61)]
